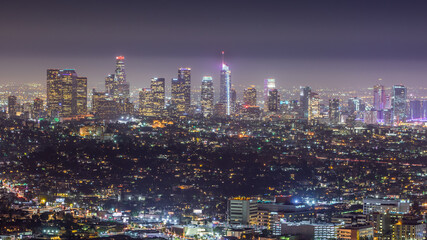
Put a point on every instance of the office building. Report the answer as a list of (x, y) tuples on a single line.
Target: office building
[(121, 86), (358, 232), (379, 98), (178, 97), (371, 205), (233, 101), (146, 102), (413, 229), (273, 100), (96, 98), (67, 80), (415, 110), (424, 110), (66, 93), (308, 230), (225, 87), (80, 96), (110, 84), (269, 84), (207, 96), (399, 104), (158, 96), (313, 106), (370, 117), (241, 211), (12, 105), (305, 93), (37, 108), (355, 105), (334, 111), (249, 97), (53, 92), (184, 77)]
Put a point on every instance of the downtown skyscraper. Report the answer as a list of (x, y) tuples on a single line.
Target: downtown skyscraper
[(207, 96), (380, 101), (379, 97), (66, 93), (398, 104), (146, 103), (116, 84), (12, 103), (181, 92), (305, 93), (273, 100), (249, 96), (158, 96), (334, 110), (269, 84), (225, 87)]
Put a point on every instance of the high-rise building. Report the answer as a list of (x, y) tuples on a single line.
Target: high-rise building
[(158, 96), (424, 110), (334, 110), (269, 84), (53, 92), (233, 101), (80, 96), (122, 91), (225, 87), (249, 97), (379, 98), (178, 97), (116, 84), (12, 104), (273, 100), (146, 103), (313, 106), (184, 77), (355, 104), (67, 78), (110, 84), (66, 93), (97, 97), (207, 96), (305, 93), (415, 110), (380, 101), (37, 108), (399, 103)]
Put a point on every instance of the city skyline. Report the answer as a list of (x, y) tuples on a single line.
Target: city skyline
[(213, 120), (311, 48)]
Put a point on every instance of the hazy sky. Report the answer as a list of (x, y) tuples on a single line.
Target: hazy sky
[(318, 43)]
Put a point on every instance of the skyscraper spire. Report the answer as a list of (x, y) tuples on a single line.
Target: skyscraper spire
[(222, 59), (225, 86)]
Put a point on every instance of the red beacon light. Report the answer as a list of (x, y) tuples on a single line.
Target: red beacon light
[(120, 58)]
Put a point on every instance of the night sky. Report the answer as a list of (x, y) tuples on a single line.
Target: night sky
[(316, 43)]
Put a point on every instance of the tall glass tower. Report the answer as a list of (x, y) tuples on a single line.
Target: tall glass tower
[(305, 93), (379, 97), (207, 96), (399, 103), (225, 86), (269, 84), (121, 86), (184, 77), (158, 92)]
